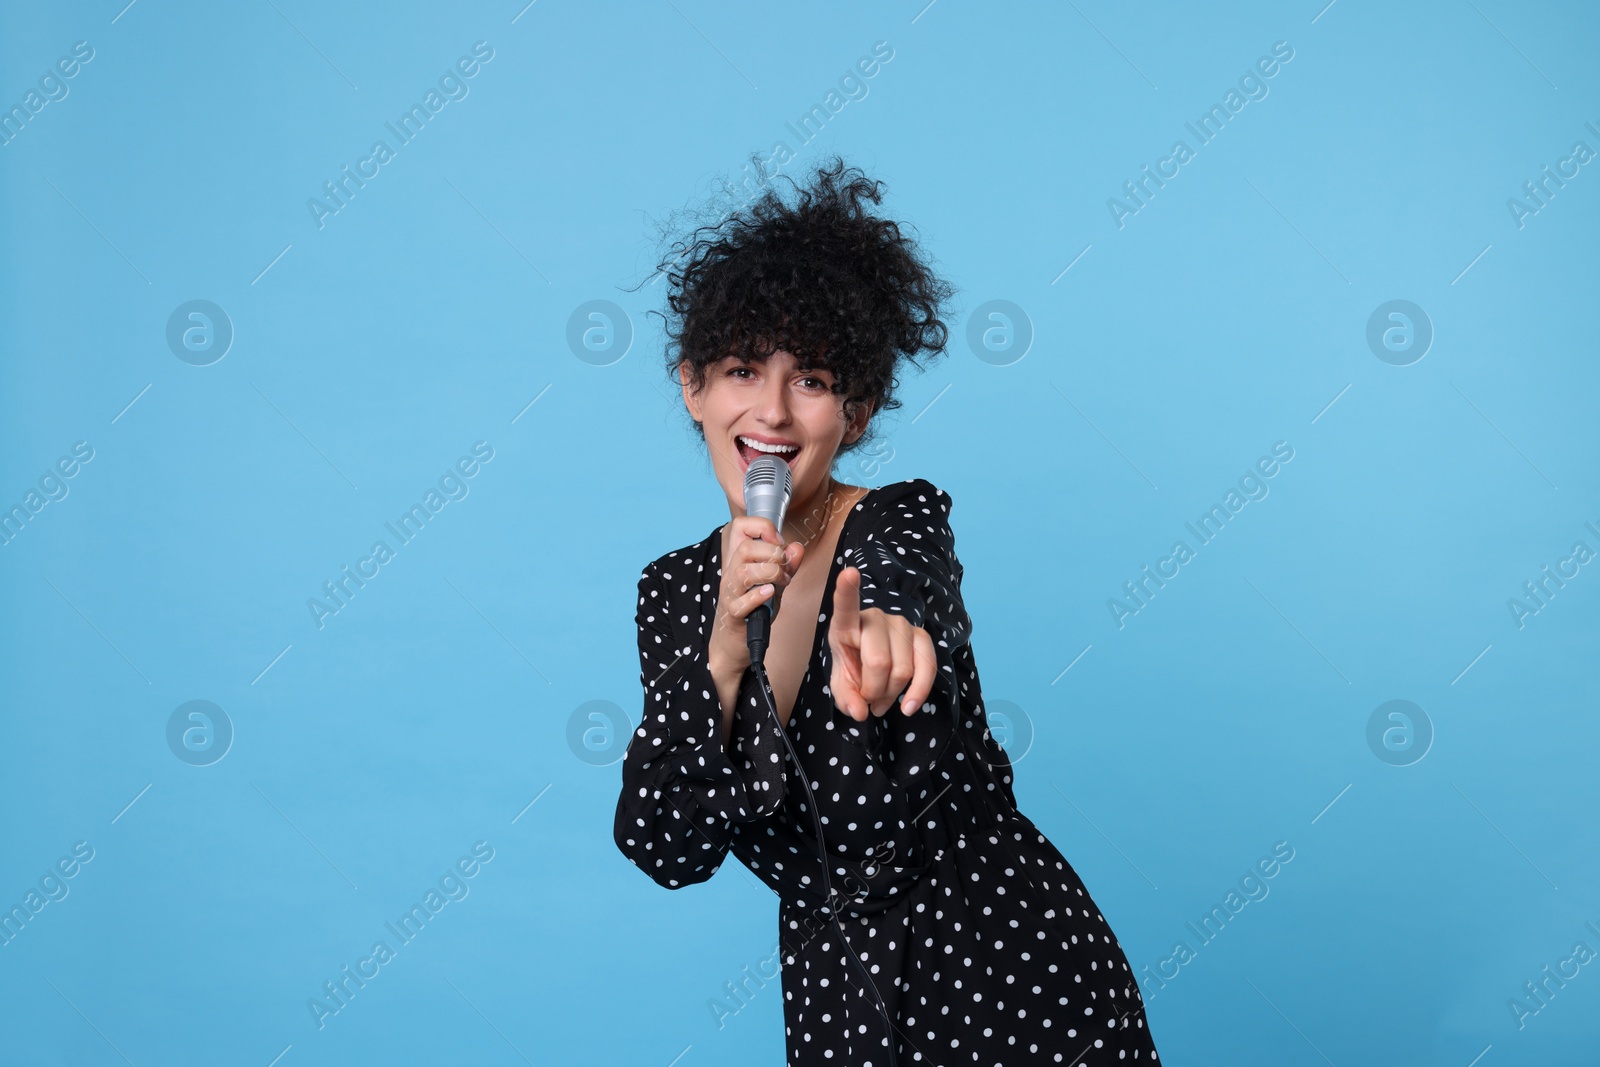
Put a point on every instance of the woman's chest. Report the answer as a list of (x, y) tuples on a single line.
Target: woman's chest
[(793, 657)]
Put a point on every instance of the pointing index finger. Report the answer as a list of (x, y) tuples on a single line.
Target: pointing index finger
[(927, 667), (847, 603)]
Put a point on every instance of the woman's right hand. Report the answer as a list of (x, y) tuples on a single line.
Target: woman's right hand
[(757, 567)]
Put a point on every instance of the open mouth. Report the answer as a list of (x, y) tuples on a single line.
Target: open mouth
[(751, 450)]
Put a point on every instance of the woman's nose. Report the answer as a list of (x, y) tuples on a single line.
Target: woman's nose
[(775, 401)]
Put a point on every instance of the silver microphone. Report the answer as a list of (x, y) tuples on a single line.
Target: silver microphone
[(767, 488)]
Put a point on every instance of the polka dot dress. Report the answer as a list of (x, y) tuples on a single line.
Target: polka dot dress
[(977, 934)]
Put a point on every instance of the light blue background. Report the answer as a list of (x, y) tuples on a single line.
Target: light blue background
[(1228, 314)]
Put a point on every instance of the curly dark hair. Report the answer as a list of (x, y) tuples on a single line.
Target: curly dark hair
[(840, 288)]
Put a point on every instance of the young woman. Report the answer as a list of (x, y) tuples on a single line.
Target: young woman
[(943, 919)]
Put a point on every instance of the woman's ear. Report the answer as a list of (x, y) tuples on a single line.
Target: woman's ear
[(858, 423), (691, 399)]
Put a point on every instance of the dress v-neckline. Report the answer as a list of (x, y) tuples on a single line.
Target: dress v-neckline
[(828, 583)]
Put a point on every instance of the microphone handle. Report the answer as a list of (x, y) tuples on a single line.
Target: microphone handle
[(758, 628)]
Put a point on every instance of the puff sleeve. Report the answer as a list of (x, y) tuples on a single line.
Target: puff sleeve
[(908, 565), (681, 792)]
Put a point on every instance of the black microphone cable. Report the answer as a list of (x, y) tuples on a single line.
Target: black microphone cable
[(758, 645)]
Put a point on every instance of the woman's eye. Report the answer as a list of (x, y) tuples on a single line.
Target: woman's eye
[(809, 381)]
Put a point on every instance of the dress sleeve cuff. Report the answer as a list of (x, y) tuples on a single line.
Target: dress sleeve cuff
[(678, 748)]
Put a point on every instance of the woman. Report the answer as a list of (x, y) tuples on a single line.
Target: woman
[(943, 919)]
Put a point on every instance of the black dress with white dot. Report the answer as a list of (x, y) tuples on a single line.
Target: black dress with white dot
[(979, 937)]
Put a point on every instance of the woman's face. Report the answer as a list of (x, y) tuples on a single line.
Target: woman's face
[(776, 403)]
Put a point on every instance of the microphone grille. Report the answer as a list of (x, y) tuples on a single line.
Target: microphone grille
[(769, 471)]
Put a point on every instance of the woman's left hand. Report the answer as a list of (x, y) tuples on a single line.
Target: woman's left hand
[(875, 655)]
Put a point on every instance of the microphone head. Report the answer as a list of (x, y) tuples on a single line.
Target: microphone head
[(768, 484)]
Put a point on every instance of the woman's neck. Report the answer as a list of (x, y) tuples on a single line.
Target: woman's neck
[(806, 519)]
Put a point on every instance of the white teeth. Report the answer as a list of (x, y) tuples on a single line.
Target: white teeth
[(777, 450)]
